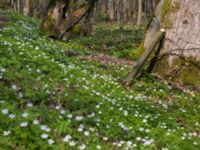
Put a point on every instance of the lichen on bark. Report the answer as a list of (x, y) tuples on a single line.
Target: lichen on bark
[(168, 8)]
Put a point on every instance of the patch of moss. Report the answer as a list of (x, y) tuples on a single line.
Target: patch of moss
[(190, 76), (137, 53), (77, 29), (48, 26), (169, 7), (161, 67)]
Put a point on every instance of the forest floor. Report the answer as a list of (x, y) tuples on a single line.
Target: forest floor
[(52, 100)]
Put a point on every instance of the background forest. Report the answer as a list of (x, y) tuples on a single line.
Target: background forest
[(99, 74)]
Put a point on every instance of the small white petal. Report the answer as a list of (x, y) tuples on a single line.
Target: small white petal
[(44, 136), (6, 133), (50, 141)]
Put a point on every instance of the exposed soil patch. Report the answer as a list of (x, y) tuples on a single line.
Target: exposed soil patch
[(110, 60)]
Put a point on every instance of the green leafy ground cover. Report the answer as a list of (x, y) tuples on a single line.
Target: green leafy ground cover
[(51, 101), (108, 40)]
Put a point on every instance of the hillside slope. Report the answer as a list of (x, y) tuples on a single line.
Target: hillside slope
[(51, 101)]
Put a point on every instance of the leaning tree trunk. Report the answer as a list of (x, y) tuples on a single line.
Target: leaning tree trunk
[(179, 58)]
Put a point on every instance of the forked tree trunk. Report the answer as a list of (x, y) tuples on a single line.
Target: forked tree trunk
[(56, 24)]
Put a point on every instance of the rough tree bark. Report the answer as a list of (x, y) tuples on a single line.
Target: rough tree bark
[(180, 55), (56, 23)]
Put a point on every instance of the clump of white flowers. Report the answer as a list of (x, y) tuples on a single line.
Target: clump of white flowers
[(44, 136), (4, 111), (67, 138), (79, 118), (24, 124), (6, 133), (50, 141), (82, 147)]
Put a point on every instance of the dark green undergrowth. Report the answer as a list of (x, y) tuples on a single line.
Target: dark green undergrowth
[(51, 101), (107, 39)]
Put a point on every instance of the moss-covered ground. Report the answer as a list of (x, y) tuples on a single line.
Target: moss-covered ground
[(51, 101)]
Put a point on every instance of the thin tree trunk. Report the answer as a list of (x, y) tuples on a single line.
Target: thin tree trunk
[(26, 9), (111, 10), (139, 18), (135, 12), (121, 16)]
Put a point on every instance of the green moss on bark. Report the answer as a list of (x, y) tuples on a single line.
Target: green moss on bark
[(161, 67), (48, 25), (189, 75), (169, 7), (77, 29), (137, 53)]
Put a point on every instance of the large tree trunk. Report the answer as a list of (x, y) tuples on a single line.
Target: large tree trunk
[(56, 23), (179, 58), (56, 13)]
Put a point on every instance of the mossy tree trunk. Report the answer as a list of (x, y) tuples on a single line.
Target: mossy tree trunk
[(180, 55), (59, 20)]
